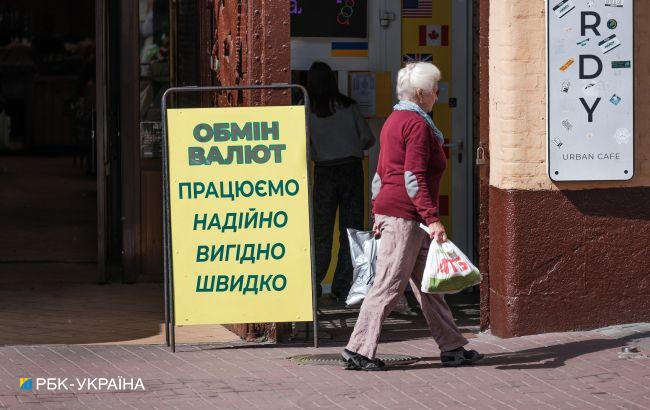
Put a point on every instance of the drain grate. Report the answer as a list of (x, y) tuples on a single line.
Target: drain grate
[(335, 359)]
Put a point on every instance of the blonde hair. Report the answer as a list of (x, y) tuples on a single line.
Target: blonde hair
[(416, 75)]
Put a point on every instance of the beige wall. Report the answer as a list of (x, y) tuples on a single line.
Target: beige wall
[(518, 98)]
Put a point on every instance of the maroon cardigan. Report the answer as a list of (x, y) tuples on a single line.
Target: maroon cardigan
[(407, 143)]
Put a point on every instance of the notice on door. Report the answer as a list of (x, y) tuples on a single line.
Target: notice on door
[(363, 90), (240, 230), (590, 90)]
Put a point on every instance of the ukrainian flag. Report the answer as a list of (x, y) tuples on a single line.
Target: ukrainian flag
[(26, 383), (351, 49)]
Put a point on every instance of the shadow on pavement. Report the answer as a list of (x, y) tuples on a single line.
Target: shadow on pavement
[(552, 357), (547, 357), (335, 324)]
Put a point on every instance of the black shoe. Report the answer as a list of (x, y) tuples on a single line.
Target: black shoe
[(340, 295), (356, 361), (460, 357)]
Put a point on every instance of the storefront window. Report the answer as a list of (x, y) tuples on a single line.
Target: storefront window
[(154, 56), (154, 70)]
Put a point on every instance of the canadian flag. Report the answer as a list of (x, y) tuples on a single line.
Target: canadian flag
[(434, 35)]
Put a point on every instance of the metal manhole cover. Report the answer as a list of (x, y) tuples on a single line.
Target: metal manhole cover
[(335, 359)]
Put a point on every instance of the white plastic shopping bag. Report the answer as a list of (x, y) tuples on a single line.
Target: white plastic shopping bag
[(448, 270), (363, 250)]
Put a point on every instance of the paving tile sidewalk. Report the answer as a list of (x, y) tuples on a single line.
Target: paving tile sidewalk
[(559, 371)]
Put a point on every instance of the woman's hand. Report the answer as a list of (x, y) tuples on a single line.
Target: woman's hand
[(376, 231), (437, 232)]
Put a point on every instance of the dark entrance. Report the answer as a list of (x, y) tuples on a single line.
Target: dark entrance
[(80, 201), (47, 110)]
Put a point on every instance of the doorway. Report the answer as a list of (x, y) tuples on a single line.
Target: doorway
[(397, 33), (47, 98), (69, 122), (48, 193)]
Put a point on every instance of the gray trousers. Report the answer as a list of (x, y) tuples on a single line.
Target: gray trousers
[(402, 257)]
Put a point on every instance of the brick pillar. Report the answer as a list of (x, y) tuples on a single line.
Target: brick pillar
[(252, 46), (563, 256)]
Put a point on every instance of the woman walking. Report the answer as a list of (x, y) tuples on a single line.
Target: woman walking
[(405, 192), (339, 135)]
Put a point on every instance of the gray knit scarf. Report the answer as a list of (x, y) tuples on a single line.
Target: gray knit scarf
[(405, 105)]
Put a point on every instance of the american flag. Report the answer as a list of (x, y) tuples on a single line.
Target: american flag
[(417, 8)]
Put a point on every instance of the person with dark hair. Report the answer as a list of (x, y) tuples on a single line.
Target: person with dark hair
[(339, 134)]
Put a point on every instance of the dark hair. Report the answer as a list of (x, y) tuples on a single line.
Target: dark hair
[(324, 91)]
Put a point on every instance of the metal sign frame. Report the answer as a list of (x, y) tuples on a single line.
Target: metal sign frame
[(627, 173), (168, 283)]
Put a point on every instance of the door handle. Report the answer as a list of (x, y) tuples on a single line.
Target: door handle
[(457, 146)]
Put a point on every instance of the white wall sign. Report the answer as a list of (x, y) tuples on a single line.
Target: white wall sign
[(363, 91), (590, 89)]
